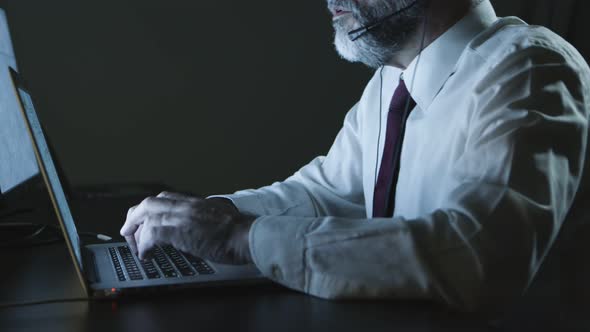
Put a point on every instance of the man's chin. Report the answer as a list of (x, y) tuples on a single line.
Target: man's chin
[(351, 51), (346, 48)]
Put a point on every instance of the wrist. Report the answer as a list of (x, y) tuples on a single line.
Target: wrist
[(243, 239), (225, 202)]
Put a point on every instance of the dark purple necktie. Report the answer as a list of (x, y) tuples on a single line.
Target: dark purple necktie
[(384, 195)]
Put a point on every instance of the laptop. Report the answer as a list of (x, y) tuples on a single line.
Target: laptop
[(107, 269)]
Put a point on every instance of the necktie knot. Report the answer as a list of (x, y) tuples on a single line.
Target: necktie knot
[(401, 97)]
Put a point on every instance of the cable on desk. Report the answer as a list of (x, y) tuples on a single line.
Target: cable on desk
[(41, 302), (32, 239)]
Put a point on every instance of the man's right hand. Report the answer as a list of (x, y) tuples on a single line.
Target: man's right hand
[(213, 229)]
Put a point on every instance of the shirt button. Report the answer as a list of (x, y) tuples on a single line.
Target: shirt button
[(276, 272)]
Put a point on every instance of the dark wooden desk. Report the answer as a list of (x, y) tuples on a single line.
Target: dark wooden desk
[(46, 272)]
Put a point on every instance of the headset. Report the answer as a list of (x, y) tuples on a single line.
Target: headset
[(358, 33)]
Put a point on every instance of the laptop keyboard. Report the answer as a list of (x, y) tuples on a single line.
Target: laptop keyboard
[(167, 262), (150, 269), (129, 263), (164, 264), (117, 264), (179, 262)]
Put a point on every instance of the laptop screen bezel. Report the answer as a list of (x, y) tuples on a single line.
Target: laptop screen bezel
[(18, 84)]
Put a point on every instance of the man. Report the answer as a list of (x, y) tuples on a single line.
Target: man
[(449, 180)]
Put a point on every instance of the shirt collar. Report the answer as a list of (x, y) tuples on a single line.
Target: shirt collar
[(437, 61)]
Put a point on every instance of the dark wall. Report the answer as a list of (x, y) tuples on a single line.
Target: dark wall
[(206, 96)]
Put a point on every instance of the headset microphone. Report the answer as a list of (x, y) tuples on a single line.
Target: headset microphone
[(358, 33)]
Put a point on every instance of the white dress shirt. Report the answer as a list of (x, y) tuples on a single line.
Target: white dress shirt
[(491, 162)]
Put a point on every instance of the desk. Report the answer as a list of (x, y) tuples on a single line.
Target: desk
[(46, 272)]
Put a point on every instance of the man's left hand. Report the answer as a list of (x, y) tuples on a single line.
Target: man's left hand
[(208, 228)]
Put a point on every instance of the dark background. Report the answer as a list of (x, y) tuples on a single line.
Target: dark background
[(205, 96)]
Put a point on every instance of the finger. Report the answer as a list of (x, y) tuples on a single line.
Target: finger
[(177, 196), (131, 209), (137, 236), (148, 237), (155, 232), (133, 229), (132, 243), (152, 206)]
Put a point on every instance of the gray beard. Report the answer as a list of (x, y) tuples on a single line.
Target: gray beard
[(377, 47)]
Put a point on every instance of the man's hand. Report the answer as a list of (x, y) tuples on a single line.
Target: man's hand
[(212, 229)]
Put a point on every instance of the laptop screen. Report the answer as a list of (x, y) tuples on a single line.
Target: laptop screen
[(16, 151), (17, 157), (53, 182)]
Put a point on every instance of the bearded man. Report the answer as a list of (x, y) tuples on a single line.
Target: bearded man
[(449, 181)]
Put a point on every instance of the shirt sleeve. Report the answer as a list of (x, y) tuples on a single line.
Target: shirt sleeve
[(327, 186), (521, 169)]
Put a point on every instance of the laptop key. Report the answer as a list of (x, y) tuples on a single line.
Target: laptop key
[(178, 260), (129, 263), (199, 264), (117, 264), (150, 269), (163, 264)]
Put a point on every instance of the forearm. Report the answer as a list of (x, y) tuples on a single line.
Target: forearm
[(327, 186), (301, 195), (445, 256), (480, 250)]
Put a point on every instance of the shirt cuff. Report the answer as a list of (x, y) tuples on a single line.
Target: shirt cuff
[(247, 204), (278, 248)]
